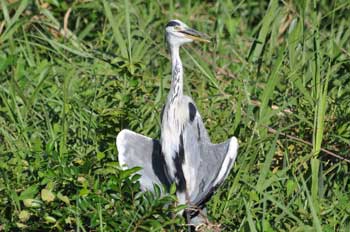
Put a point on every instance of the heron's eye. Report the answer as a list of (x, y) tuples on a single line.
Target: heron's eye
[(177, 28)]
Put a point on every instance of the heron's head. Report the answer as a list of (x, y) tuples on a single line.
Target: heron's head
[(178, 33)]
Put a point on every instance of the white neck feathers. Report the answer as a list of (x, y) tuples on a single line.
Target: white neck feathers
[(176, 89)]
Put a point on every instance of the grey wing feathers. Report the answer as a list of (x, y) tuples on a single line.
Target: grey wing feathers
[(213, 164), (219, 160), (135, 150)]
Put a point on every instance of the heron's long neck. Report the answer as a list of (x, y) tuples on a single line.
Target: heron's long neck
[(176, 89)]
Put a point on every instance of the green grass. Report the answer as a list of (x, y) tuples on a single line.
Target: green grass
[(277, 76)]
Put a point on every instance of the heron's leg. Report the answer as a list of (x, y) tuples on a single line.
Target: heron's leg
[(188, 213), (200, 218)]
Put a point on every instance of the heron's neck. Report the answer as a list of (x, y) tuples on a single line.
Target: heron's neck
[(176, 89)]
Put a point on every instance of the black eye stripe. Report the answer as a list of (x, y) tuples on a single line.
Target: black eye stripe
[(172, 24)]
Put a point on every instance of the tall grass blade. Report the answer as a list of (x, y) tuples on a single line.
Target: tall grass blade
[(266, 166), (249, 217), (115, 28), (265, 28), (127, 24), (311, 204), (270, 86)]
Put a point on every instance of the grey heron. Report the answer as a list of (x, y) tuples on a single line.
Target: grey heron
[(184, 155)]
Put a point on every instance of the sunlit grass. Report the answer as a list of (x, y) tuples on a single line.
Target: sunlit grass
[(276, 76)]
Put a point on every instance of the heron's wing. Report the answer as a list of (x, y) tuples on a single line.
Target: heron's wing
[(207, 164), (217, 161), (135, 150)]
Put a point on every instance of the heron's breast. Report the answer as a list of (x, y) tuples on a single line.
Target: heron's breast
[(176, 116)]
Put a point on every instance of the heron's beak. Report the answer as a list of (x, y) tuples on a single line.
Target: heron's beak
[(195, 35)]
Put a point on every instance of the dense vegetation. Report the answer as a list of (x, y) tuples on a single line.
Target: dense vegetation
[(74, 73)]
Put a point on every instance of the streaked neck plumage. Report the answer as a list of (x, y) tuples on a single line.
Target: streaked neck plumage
[(176, 89)]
